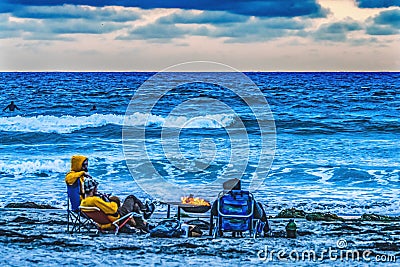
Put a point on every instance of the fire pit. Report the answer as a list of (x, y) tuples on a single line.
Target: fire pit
[(198, 209), (195, 204)]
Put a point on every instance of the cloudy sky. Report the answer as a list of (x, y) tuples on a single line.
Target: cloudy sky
[(147, 35)]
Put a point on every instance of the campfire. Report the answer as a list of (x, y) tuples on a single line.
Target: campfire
[(195, 201)]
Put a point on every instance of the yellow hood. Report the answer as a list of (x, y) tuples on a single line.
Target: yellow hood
[(76, 171), (76, 163)]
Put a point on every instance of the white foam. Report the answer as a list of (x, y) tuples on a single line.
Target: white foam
[(324, 173), (53, 124), (207, 121), (59, 164), (34, 166), (69, 124)]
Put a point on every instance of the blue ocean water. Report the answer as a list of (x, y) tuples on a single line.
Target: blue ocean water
[(337, 136)]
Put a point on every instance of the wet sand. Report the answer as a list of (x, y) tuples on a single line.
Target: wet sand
[(30, 237)]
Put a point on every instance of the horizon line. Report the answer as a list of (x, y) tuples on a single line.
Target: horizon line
[(200, 71)]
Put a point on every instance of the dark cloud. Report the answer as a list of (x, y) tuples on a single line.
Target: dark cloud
[(377, 3), (385, 23), (381, 30), (79, 26), (174, 26), (163, 33), (155, 31), (6, 7), (71, 11), (11, 29), (5, 34), (389, 17), (205, 17), (32, 29), (260, 30), (266, 8), (96, 17), (21, 27), (336, 31), (270, 29), (49, 23)]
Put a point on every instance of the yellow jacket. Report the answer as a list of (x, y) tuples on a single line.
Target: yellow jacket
[(76, 172), (109, 208)]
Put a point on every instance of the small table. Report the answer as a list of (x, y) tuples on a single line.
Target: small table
[(179, 205), (184, 205)]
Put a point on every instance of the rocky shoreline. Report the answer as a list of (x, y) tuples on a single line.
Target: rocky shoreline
[(30, 236), (327, 216), (291, 213)]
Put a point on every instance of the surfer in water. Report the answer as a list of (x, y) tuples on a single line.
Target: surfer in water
[(11, 107)]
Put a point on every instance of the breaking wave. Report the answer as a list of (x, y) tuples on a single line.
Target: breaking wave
[(69, 124), (17, 167)]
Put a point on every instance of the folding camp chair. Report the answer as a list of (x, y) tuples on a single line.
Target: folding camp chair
[(236, 214), (76, 221), (100, 218)]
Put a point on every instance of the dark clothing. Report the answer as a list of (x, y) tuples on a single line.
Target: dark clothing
[(259, 212), (131, 204)]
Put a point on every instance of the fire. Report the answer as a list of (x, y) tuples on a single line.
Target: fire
[(195, 201)]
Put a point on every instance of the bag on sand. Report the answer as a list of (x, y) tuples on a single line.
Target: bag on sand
[(195, 231), (167, 228)]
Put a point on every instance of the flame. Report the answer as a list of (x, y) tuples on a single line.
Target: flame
[(195, 201)]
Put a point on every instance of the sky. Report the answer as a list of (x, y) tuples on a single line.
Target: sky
[(248, 35)]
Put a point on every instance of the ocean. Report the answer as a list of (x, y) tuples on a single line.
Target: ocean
[(331, 138)]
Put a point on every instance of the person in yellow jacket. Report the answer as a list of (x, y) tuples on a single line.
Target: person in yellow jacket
[(92, 199), (111, 205), (79, 170)]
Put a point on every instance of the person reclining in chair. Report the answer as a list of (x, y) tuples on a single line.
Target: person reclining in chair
[(111, 206), (259, 213)]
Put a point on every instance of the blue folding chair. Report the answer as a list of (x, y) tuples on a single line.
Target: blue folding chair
[(76, 220), (236, 214)]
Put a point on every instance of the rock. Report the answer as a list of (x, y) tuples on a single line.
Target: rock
[(291, 213), (127, 248), (391, 228), (304, 233), (42, 174), (278, 234), (21, 219), (320, 216), (348, 228), (29, 205), (377, 217), (386, 246), (187, 245)]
